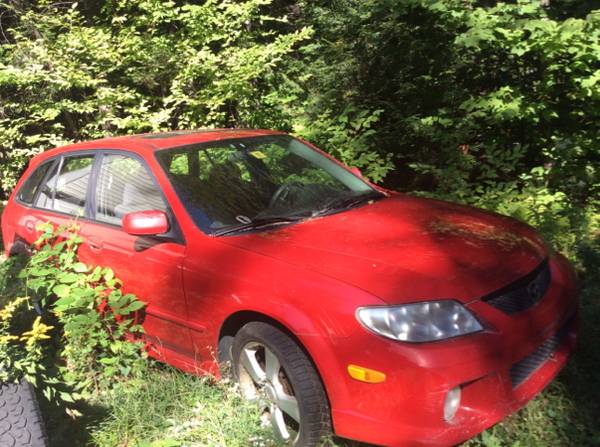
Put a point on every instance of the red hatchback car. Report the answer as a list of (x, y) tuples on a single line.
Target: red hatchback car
[(342, 307)]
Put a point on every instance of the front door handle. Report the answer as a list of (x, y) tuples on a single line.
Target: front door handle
[(95, 244)]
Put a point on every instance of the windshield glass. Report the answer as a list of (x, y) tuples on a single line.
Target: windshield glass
[(241, 182)]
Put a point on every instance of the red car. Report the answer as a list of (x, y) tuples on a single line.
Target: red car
[(343, 307)]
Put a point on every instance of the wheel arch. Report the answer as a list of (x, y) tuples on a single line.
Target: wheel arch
[(237, 320), (234, 322)]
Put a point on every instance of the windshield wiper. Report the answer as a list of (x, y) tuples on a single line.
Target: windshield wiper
[(345, 202), (334, 204), (259, 223)]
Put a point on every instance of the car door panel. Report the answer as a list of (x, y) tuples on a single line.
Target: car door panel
[(149, 267), (152, 273)]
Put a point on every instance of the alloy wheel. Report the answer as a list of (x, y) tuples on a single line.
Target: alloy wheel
[(263, 380)]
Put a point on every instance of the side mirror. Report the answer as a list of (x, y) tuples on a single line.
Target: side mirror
[(356, 172), (146, 223)]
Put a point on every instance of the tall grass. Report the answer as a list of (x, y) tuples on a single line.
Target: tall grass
[(166, 408), (180, 408)]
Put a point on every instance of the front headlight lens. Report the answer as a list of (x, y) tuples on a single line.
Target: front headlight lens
[(420, 322)]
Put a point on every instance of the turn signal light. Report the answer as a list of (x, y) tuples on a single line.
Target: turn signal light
[(365, 374)]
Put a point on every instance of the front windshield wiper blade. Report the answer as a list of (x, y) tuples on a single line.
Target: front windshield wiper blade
[(335, 204), (345, 202), (259, 223)]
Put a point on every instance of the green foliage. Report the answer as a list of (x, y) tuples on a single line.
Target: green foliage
[(91, 321), (443, 95), (22, 354), (10, 286), (347, 137), (469, 96), (97, 319), (25, 349), (67, 73)]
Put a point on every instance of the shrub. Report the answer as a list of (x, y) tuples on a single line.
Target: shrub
[(22, 354), (92, 322)]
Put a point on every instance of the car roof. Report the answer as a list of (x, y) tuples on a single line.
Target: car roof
[(151, 142)]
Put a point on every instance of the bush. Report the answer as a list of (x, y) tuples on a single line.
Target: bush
[(75, 71), (92, 322)]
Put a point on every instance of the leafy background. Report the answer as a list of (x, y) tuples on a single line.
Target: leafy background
[(490, 103)]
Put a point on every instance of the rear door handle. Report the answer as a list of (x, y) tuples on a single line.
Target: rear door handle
[(30, 223)]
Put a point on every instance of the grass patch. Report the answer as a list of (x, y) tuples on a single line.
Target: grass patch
[(165, 408), (182, 409)]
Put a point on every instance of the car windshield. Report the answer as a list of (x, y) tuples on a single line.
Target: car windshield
[(251, 183)]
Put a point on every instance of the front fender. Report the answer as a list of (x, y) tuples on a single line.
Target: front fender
[(316, 309)]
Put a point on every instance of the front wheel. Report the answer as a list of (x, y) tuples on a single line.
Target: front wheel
[(273, 371)]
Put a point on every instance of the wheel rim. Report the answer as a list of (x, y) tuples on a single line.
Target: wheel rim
[(263, 380)]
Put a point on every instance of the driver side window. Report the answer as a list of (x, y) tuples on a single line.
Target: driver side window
[(125, 186), (216, 183)]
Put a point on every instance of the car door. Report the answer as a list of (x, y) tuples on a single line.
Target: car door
[(150, 267)]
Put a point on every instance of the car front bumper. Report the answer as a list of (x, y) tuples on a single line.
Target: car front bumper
[(498, 370)]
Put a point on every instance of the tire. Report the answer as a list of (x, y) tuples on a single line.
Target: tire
[(21, 423), (20, 248), (275, 372)]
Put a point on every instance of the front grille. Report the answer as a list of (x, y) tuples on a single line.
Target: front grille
[(521, 370), (524, 293)]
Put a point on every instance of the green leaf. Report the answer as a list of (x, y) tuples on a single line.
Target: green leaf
[(109, 360), (136, 305), (108, 275), (68, 278), (66, 397), (61, 290), (80, 267), (64, 303), (41, 272)]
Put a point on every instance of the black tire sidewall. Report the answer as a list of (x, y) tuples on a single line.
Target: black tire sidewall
[(309, 397), (21, 423)]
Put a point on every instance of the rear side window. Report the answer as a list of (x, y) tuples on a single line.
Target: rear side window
[(125, 186), (32, 184)]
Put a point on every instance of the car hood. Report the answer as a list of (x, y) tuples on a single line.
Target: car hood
[(405, 249)]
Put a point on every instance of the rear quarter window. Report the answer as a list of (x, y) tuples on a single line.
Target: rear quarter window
[(31, 186), (65, 191)]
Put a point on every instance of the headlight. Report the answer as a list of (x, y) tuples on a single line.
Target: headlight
[(420, 322)]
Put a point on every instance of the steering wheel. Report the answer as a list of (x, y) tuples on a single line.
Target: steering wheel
[(283, 193)]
